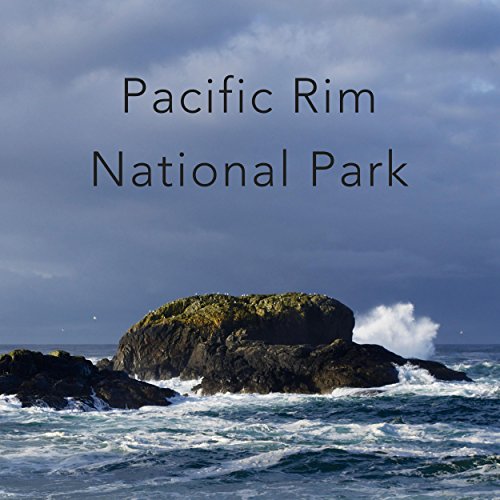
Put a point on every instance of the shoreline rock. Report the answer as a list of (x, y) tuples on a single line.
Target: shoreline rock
[(291, 342), (54, 379)]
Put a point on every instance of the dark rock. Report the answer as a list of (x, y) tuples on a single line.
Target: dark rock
[(9, 384), (104, 364), (49, 380), (119, 390), (256, 367), (260, 343), (179, 337)]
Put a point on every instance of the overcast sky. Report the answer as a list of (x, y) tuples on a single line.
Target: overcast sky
[(69, 251)]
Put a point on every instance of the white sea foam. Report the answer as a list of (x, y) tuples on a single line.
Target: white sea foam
[(413, 375), (94, 359), (179, 385), (415, 380), (97, 404), (9, 403), (257, 461), (398, 329), (90, 443)]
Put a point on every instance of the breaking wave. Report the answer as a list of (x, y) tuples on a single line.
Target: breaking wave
[(398, 329)]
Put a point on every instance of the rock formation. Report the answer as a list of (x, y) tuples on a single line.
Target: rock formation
[(256, 367), (57, 378), (177, 338), (291, 342)]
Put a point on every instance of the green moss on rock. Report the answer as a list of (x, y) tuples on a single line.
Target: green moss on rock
[(177, 337), (219, 310), (59, 354)]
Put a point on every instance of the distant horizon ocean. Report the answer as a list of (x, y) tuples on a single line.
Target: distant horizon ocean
[(76, 347), (419, 438)]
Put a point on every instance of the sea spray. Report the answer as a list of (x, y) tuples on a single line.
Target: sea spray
[(398, 329)]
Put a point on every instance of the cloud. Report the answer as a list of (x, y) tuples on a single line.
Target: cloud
[(116, 253)]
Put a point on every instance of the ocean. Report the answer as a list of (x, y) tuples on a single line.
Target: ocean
[(416, 439)]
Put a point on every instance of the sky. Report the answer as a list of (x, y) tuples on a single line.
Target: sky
[(71, 252)]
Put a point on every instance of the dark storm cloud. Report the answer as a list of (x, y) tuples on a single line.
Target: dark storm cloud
[(69, 252)]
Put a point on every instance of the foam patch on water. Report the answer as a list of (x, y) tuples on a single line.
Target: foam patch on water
[(262, 460), (414, 375), (398, 329), (97, 404), (9, 403), (415, 380), (177, 384)]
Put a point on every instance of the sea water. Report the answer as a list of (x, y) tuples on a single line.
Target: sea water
[(420, 438)]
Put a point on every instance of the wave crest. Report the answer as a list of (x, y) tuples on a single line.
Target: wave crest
[(398, 329)]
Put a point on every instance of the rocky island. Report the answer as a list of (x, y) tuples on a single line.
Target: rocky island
[(58, 380), (292, 342)]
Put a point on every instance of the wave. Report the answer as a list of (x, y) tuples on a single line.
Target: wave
[(228, 440), (398, 329)]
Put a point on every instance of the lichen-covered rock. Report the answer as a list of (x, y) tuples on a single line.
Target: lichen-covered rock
[(53, 379), (179, 337)]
